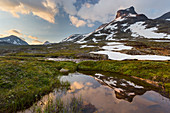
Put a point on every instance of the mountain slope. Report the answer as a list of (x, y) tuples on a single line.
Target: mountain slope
[(127, 24), (46, 43), (166, 16), (13, 40)]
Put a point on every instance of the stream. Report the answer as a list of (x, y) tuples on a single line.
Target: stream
[(110, 93)]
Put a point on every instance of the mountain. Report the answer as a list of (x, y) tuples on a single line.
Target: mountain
[(46, 43), (128, 24), (12, 40), (74, 37), (166, 16)]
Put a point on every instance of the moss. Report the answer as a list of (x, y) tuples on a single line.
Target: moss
[(167, 86), (22, 82), (25, 80)]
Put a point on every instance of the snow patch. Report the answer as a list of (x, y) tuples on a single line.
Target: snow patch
[(132, 84), (109, 36), (119, 19), (124, 25), (15, 42), (83, 46), (98, 74), (112, 27), (81, 42), (160, 40), (132, 15), (138, 29), (121, 56), (114, 43), (117, 47), (101, 34), (111, 82), (123, 84), (94, 40)]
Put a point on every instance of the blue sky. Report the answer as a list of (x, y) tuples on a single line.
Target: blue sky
[(53, 20)]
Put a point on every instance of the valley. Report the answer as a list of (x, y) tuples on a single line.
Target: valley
[(123, 63)]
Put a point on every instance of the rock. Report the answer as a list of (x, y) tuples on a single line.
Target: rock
[(64, 70), (134, 52), (92, 56), (124, 13)]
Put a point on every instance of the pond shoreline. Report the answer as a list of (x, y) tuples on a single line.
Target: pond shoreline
[(38, 66)]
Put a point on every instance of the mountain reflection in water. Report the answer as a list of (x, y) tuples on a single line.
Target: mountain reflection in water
[(114, 95), (104, 94)]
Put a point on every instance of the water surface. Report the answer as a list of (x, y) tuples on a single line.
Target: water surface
[(111, 94)]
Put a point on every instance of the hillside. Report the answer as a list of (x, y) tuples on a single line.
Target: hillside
[(128, 25), (12, 40)]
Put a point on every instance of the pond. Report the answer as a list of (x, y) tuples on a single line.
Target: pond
[(110, 93)]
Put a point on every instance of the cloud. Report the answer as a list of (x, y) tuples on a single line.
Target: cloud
[(105, 11), (2, 35), (90, 25), (45, 9), (93, 11), (32, 37), (88, 5), (14, 32), (76, 22), (102, 11), (69, 7), (36, 42)]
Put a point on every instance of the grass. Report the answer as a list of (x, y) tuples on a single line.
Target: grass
[(152, 70), (73, 105), (22, 82)]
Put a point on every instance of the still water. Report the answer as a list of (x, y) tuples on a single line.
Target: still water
[(105, 93)]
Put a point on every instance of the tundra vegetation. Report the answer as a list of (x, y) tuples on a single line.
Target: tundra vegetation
[(24, 80)]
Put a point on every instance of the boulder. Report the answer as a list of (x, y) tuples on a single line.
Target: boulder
[(64, 70)]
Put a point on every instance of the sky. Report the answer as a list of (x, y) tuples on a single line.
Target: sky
[(37, 21)]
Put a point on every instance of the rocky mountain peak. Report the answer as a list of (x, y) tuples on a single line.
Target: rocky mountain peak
[(126, 12)]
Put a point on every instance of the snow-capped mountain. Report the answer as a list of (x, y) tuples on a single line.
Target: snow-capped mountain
[(127, 24), (13, 40), (46, 43), (74, 37)]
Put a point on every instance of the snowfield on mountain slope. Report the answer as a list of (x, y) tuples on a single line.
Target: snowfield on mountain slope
[(116, 46), (138, 29), (121, 56), (83, 46)]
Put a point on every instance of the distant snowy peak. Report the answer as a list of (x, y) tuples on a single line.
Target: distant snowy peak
[(73, 38), (13, 40), (46, 43)]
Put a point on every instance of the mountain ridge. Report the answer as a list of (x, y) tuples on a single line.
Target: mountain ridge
[(127, 24), (14, 40)]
